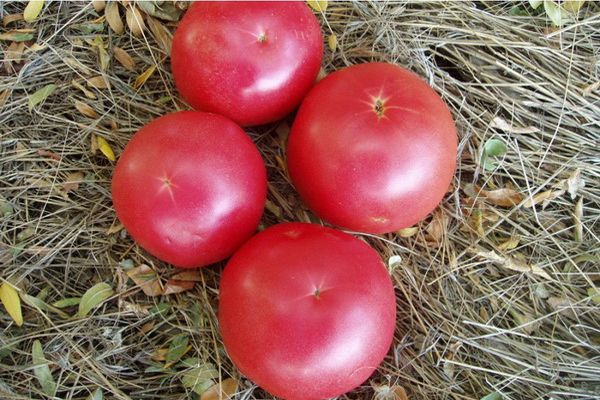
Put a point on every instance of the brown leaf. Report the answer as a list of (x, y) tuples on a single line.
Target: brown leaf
[(86, 109), (50, 154), (505, 197), (85, 91), (175, 286), (99, 5), (192, 275), (221, 391), (544, 197), (98, 82), (13, 54), (513, 264), (10, 18), (147, 279), (161, 34), (500, 123), (437, 227), (160, 354), (72, 182), (111, 13), (124, 58), (135, 21), (140, 80), (4, 95)]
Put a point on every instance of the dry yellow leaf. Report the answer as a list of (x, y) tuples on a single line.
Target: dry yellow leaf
[(161, 34), (221, 391), (513, 264), (105, 148), (33, 10), (135, 21), (510, 243), (332, 42), (124, 58), (86, 92), (318, 5), (111, 13), (408, 232), (544, 197), (10, 18), (99, 5), (12, 303), (72, 182), (140, 80), (86, 109), (98, 82)]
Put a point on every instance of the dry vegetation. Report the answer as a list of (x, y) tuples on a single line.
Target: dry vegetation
[(496, 291)]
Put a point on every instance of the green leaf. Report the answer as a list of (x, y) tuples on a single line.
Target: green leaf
[(534, 4), (89, 28), (68, 302), (126, 264), (517, 11), (41, 95), (97, 395), (200, 377), (594, 293), (177, 348), (16, 36), (5, 352), (6, 209), (164, 9), (41, 369), (41, 305), (160, 310), (492, 396), (95, 296), (494, 148), (554, 12)]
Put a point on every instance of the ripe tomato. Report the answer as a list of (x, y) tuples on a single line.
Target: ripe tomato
[(372, 148), (250, 61), (305, 311), (190, 188)]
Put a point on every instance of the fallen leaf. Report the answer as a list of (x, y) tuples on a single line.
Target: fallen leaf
[(147, 279), (12, 303), (76, 64), (41, 305), (221, 391), (578, 214), (99, 5), (111, 13), (4, 95), (135, 21), (437, 227), (594, 294), (317, 5), (166, 10), (40, 95), (94, 297), (544, 197), (159, 354), (332, 42), (177, 349), (17, 35), (72, 182), (124, 58), (105, 148), (510, 243), (200, 376), (147, 327), (86, 109), (41, 369), (98, 82), (192, 275), (505, 197), (408, 232), (10, 18), (103, 57), (33, 10), (500, 123), (575, 183), (176, 286), (35, 48), (140, 80), (161, 34), (513, 264)]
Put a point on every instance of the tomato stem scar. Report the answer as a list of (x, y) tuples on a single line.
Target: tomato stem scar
[(262, 37), (379, 108), (317, 293)]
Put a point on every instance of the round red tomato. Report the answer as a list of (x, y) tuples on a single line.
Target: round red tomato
[(190, 188), (306, 312), (250, 61), (372, 148)]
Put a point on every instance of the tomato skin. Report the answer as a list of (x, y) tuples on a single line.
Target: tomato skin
[(292, 341), (222, 64), (190, 188), (366, 172)]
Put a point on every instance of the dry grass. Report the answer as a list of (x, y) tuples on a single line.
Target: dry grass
[(470, 322)]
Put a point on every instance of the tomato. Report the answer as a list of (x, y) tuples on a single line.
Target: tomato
[(190, 188), (372, 148), (250, 61), (305, 311)]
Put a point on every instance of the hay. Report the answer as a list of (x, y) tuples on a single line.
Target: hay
[(492, 300)]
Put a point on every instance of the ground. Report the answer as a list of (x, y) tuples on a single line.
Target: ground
[(496, 291)]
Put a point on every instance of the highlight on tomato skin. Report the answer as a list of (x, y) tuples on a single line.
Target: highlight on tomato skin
[(372, 149), (305, 311), (252, 62), (190, 188)]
